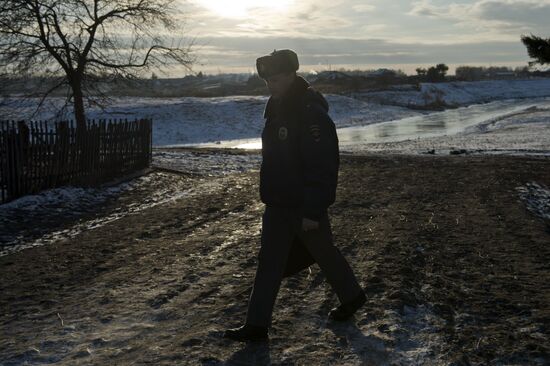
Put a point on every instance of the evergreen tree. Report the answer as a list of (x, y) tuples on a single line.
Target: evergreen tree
[(538, 49)]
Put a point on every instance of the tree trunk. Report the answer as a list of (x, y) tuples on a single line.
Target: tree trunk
[(80, 119), (79, 115)]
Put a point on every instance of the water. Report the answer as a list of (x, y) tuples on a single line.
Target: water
[(448, 122)]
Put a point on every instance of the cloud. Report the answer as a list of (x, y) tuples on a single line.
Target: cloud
[(238, 51), (374, 28), (425, 8), (510, 16), (374, 32), (363, 8), (305, 19), (510, 12)]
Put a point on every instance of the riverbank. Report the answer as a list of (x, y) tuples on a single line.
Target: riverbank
[(190, 120), (453, 262), (510, 127)]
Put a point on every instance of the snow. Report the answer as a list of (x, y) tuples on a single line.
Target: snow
[(537, 198), (188, 120), (69, 196), (531, 115), (460, 93), (517, 124), (522, 132), (68, 204), (210, 164)]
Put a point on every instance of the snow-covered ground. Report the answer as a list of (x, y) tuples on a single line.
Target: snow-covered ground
[(411, 134), (54, 208), (458, 93), (524, 131), (537, 198), (214, 163), (188, 120), (42, 218)]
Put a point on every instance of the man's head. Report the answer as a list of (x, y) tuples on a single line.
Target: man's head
[(278, 69)]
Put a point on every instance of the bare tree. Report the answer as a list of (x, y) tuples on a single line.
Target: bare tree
[(78, 42), (538, 48), (433, 74)]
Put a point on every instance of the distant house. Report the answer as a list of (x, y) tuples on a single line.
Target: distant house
[(380, 73), (505, 75)]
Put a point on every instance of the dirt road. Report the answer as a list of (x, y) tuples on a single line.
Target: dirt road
[(455, 267)]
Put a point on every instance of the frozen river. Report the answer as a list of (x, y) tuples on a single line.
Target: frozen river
[(449, 122)]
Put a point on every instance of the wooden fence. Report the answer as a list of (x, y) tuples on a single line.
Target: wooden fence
[(40, 155)]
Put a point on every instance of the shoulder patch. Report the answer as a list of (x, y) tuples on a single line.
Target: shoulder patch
[(315, 132), (283, 133)]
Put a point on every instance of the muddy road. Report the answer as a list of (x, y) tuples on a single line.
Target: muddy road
[(455, 266)]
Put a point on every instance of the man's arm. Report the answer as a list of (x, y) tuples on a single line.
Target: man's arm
[(320, 160)]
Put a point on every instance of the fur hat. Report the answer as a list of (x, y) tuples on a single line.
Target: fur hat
[(278, 62)]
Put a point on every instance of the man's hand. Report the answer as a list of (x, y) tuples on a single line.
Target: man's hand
[(308, 224)]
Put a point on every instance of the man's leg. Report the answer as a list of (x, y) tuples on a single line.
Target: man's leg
[(331, 261), (277, 234)]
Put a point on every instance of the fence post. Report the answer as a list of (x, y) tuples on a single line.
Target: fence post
[(14, 176), (3, 164), (23, 135), (150, 128), (62, 152)]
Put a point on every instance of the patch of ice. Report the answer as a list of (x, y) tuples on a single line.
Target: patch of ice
[(537, 198), (417, 336), (529, 115), (68, 196), (212, 164), (523, 128), (70, 203)]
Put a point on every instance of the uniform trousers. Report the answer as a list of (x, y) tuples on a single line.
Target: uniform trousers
[(280, 227)]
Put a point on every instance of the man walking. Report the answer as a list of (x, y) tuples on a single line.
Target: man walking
[(298, 179)]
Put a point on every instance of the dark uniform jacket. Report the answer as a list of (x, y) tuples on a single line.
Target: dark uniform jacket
[(300, 159)]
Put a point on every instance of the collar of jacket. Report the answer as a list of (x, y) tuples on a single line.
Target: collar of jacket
[(290, 102)]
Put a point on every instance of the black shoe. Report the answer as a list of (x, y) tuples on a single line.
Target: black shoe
[(345, 311), (247, 332)]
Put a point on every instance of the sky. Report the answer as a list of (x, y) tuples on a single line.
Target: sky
[(331, 34)]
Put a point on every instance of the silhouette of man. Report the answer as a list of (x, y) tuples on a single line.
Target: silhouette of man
[(298, 178)]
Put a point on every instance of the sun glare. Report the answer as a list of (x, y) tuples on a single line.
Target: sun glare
[(241, 8)]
